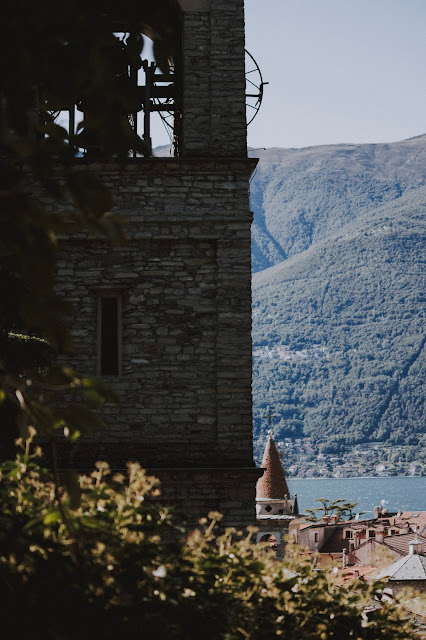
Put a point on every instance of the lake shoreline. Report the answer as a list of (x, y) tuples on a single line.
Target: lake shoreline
[(349, 477), (395, 493)]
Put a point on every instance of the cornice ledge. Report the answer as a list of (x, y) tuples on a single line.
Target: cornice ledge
[(195, 6)]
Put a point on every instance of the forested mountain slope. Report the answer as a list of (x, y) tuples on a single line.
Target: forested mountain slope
[(339, 341), (302, 196)]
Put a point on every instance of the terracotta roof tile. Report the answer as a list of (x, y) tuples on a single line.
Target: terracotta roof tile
[(400, 543), (415, 519), (273, 483), (350, 574)]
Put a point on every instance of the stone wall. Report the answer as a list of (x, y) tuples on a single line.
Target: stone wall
[(398, 586), (184, 282), (214, 79)]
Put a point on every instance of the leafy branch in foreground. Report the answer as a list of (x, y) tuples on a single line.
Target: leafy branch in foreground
[(54, 57), (118, 565)]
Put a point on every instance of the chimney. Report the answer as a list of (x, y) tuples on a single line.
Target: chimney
[(295, 506), (415, 547), (377, 511), (334, 519), (325, 519), (380, 534)]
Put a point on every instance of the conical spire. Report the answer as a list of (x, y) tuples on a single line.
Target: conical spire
[(272, 484), (295, 505)]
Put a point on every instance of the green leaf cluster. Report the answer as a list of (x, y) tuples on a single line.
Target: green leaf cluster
[(55, 56), (342, 508), (109, 561)]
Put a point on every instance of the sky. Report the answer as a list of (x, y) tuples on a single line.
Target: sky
[(338, 70)]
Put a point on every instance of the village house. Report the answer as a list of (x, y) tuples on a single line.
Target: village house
[(377, 541), (408, 571)]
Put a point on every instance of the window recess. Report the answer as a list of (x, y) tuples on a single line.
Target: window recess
[(109, 356)]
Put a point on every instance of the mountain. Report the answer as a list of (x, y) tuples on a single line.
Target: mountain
[(339, 299)]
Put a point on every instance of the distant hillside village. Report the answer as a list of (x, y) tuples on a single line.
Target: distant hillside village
[(313, 457), (306, 459)]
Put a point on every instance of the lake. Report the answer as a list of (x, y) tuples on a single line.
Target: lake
[(394, 493)]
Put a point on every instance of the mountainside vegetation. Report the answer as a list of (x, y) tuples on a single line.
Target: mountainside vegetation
[(339, 341)]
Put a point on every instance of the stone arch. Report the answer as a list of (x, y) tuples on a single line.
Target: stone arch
[(271, 540), (150, 88), (159, 19), (268, 536)]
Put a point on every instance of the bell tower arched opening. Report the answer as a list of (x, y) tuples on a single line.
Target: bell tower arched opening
[(139, 51)]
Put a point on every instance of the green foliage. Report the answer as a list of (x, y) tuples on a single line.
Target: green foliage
[(21, 352), (340, 507), (55, 56), (113, 563)]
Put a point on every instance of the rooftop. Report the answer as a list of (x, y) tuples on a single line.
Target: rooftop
[(416, 519), (275, 517), (411, 567), (273, 483), (400, 543), (350, 574)]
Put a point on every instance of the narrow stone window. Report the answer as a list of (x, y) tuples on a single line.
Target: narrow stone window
[(109, 335)]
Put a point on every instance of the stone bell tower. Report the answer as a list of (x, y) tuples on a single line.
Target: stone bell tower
[(165, 319)]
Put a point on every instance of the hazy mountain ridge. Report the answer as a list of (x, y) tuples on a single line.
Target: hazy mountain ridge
[(321, 189), (353, 285)]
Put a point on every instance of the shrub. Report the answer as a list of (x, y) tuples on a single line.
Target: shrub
[(102, 558)]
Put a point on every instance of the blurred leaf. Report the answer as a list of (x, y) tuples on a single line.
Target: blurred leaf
[(89, 193), (52, 516), (163, 53), (74, 435), (101, 388), (22, 424), (134, 45), (90, 523), (71, 483), (81, 418), (94, 399)]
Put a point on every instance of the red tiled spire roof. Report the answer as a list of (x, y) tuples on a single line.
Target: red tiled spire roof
[(272, 484)]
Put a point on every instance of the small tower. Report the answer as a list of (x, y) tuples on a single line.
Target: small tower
[(274, 508), (416, 546)]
